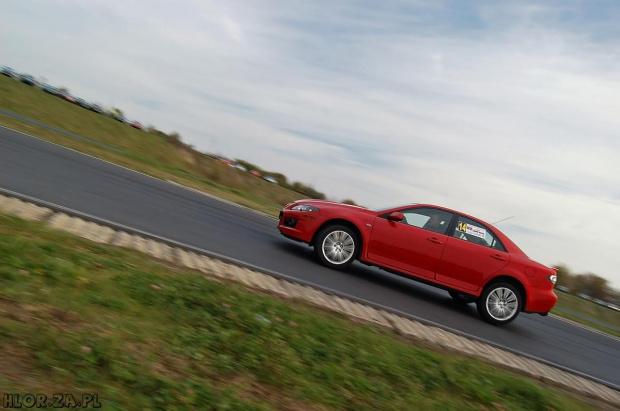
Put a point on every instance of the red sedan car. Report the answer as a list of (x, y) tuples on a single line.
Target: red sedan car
[(471, 259)]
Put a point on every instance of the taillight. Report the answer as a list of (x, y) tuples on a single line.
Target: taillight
[(553, 278)]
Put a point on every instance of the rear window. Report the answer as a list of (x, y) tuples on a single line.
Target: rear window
[(474, 232)]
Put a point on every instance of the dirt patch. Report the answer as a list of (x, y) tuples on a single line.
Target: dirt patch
[(18, 369), (187, 156), (57, 317), (173, 367), (15, 362), (248, 389)]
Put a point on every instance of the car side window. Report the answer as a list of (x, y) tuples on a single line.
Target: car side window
[(474, 232), (430, 219)]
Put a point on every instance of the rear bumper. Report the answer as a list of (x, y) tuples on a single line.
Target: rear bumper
[(540, 300)]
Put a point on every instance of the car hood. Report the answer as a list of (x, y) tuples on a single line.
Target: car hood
[(317, 203), (325, 205)]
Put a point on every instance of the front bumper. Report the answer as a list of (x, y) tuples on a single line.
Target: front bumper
[(298, 225)]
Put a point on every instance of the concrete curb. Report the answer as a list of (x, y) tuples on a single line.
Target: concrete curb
[(107, 232)]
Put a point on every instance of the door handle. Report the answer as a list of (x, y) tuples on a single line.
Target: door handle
[(498, 257), (434, 240)]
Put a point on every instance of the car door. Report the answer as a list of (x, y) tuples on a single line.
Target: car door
[(410, 245), (472, 254)]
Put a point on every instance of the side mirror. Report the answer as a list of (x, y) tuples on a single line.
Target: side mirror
[(396, 216)]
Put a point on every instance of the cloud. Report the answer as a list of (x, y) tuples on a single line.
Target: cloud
[(233, 29)]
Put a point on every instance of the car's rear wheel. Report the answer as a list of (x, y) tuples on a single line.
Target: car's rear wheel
[(336, 246), (462, 297), (500, 303)]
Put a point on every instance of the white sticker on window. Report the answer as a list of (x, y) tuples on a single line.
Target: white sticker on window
[(472, 230)]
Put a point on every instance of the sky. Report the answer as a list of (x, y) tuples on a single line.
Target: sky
[(496, 109)]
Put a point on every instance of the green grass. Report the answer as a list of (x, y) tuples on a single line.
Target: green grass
[(587, 309), (77, 317), (145, 152)]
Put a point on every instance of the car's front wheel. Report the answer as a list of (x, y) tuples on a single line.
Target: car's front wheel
[(336, 246), (500, 303)]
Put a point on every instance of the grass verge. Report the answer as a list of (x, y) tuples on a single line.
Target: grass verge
[(77, 317), (580, 310)]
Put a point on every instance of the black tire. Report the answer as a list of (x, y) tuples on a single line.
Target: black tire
[(336, 246), (500, 303), (462, 297)]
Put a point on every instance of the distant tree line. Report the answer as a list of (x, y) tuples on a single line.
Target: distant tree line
[(175, 139), (301, 188), (589, 284)]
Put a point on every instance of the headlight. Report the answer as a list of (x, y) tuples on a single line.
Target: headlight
[(553, 278), (303, 207)]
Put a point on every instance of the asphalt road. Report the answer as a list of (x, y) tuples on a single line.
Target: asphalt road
[(48, 172)]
